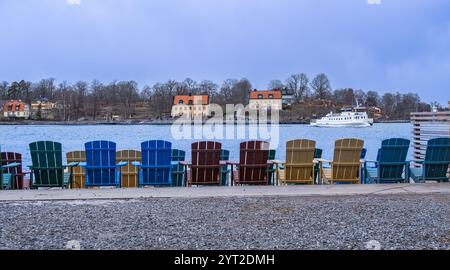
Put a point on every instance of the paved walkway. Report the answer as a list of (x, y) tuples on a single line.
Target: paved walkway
[(205, 192)]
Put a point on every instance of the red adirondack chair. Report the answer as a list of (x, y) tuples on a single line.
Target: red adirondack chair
[(206, 165), (253, 165), (8, 158)]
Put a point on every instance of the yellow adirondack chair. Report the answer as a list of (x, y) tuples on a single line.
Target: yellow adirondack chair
[(299, 165), (346, 166), (130, 177), (78, 174)]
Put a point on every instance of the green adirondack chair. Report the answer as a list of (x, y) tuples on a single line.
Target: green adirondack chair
[(224, 171), (391, 165), (48, 167), (436, 163), (178, 169), (6, 179)]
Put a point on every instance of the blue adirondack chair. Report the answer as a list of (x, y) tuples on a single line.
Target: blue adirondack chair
[(101, 167), (391, 164), (436, 163), (156, 167)]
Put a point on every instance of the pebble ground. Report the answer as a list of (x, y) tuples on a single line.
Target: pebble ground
[(318, 222)]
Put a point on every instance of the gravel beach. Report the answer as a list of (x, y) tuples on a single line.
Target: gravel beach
[(294, 222)]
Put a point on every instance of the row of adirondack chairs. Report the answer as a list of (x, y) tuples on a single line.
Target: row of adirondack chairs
[(157, 164)]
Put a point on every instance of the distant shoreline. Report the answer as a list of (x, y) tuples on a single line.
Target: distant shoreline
[(147, 123)]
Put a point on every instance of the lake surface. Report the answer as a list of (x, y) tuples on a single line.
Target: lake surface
[(17, 138)]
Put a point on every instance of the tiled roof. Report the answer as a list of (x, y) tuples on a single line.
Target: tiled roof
[(13, 104), (265, 94), (196, 100)]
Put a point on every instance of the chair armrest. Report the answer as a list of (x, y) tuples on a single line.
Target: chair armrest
[(11, 165), (136, 164), (71, 164), (122, 163), (223, 162), (321, 160), (184, 163), (277, 161)]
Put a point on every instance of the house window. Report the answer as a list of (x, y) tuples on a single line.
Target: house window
[(190, 102), (181, 102), (10, 108), (270, 96), (260, 96), (17, 107)]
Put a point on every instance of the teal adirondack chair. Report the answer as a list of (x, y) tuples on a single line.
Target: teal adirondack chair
[(224, 171), (271, 171), (48, 167), (6, 179), (391, 165), (436, 163), (317, 154), (178, 169)]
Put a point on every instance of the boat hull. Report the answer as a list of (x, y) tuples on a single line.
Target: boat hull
[(332, 125)]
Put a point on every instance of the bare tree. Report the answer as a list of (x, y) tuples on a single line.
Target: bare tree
[(299, 85), (208, 88), (373, 99), (321, 87), (95, 97), (129, 92)]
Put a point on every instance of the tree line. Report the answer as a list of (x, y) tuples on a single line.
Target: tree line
[(95, 99)]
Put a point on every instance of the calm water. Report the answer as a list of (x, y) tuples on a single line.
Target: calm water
[(17, 138)]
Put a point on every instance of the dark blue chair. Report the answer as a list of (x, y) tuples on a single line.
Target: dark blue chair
[(391, 164), (435, 165)]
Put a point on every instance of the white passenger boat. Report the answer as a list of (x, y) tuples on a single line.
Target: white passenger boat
[(350, 117)]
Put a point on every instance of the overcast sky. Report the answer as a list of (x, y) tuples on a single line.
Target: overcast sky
[(383, 45)]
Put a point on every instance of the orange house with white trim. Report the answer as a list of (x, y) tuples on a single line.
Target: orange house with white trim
[(191, 106), (266, 100)]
